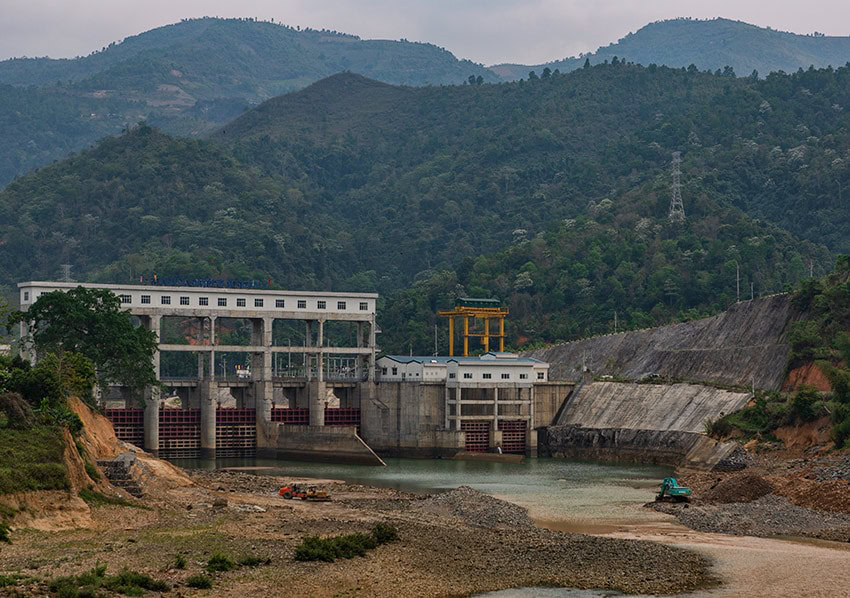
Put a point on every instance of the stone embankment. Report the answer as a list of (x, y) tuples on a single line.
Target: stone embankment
[(648, 423), (742, 346)]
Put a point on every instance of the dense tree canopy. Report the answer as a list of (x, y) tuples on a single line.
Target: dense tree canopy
[(89, 322), (551, 195)]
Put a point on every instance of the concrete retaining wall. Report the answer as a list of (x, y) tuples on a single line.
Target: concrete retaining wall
[(679, 407), (669, 447), (407, 419), (745, 344), (337, 444), (647, 423)]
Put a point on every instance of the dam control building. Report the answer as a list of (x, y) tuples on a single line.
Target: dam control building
[(327, 395)]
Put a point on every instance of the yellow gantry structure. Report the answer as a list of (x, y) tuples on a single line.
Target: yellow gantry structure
[(485, 309)]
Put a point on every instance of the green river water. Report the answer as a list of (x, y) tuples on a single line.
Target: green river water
[(567, 495)]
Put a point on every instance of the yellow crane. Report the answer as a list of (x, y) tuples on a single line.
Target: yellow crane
[(486, 309)]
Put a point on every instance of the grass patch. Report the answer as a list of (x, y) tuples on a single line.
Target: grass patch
[(4, 533), (15, 579), (314, 548), (92, 471), (129, 583), (180, 562), (220, 562), (98, 499), (200, 582), (32, 460)]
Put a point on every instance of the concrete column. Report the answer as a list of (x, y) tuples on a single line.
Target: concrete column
[(458, 410), (264, 397), (212, 351), (373, 344), (358, 362), (308, 342), (531, 409), (495, 409), (446, 416), (208, 417), (155, 322), (318, 391), (152, 407)]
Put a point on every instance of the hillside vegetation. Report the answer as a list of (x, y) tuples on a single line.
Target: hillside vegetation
[(551, 194), (710, 45), (188, 78)]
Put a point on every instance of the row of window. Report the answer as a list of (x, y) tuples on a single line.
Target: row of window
[(468, 375), (240, 302)]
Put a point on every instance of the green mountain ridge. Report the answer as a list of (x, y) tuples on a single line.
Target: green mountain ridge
[(191, 77), (549, 194), (709, 44)]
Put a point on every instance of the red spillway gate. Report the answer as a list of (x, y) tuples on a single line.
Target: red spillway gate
[(477, 436), (235, 432), (129, 425), (513, 436), (180, 433)]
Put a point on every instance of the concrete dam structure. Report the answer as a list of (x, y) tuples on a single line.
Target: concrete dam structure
[(742, 347), (324, 399), (648, 423), (745, 345)]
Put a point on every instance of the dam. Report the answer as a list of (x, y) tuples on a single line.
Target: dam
[(598, 398)]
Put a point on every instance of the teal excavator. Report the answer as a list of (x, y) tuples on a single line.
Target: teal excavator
[(672, 491)]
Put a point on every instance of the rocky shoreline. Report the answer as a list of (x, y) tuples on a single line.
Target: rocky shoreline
[(806, 497), (456, 543)]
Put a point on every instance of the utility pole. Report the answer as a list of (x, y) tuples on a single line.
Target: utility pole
[(751, 292), (435, 340), (677, 209), (738, 281), (615, 321), (66, 273)]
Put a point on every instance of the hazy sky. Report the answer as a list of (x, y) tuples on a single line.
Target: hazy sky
[(488, 31)]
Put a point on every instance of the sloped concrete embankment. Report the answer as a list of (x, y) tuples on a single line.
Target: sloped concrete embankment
[(648, 423), (745, 345)]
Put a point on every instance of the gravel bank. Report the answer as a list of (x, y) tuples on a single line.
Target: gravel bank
[(767, 516)]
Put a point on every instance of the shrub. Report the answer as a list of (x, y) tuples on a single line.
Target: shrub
[(200, 582), (130, 583), (384, 533), (97, 499), (252, 561), (180, 562), (4, 533), (220, 562), (92, 471), (314, 548), (841, 434), (19, 415)]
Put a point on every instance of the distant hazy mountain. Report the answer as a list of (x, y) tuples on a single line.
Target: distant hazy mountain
[(189, 78), (242, 58), (711, 44)]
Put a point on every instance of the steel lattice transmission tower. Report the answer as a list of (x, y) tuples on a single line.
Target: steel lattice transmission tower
[(677, 210)]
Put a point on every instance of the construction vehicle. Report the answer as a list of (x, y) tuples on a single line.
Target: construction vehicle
[(673, 492), (304, 493)]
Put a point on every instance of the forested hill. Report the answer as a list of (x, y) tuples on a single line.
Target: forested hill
[(550, 194), (189, 78), (245, 58), (709, 44)]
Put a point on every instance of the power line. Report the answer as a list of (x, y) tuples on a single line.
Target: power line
[(677, 209)]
